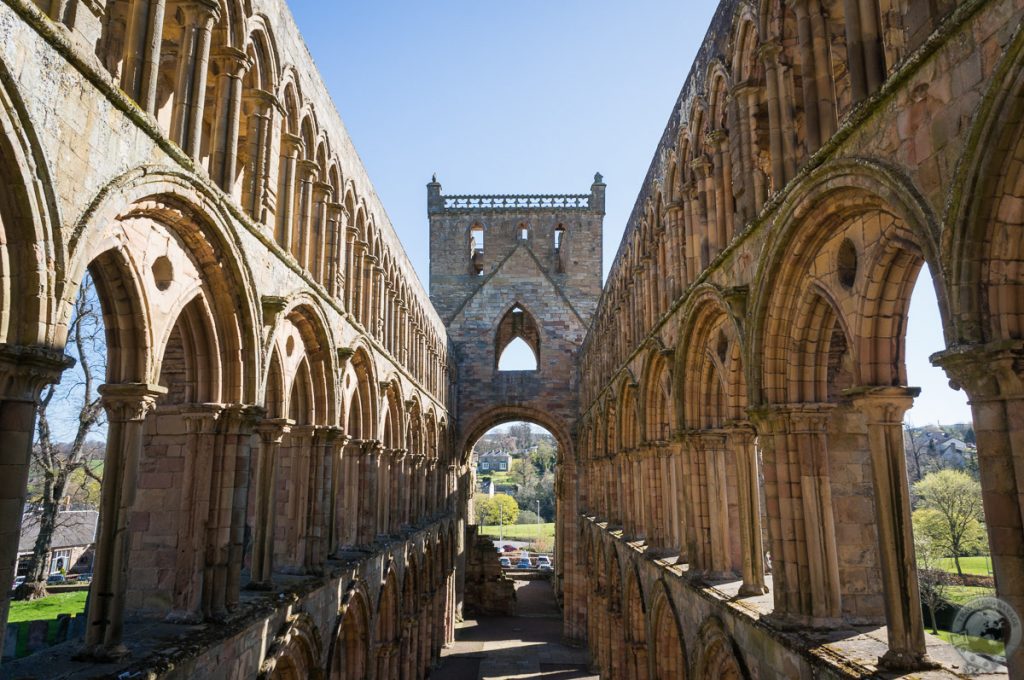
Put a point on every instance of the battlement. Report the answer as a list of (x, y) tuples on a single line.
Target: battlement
[(465, 203)]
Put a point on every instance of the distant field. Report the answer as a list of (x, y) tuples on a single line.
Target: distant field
[(521, 531), (979, 566)]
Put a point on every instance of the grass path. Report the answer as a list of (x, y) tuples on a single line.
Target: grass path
[(48, 607), (979, 566)]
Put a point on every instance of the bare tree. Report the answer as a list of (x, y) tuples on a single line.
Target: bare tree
[(62, 467), (914, 447)]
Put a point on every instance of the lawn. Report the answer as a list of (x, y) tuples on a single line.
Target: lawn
[(521, 531), (979, 645), (963, 594), (979, 566), (48, 607)]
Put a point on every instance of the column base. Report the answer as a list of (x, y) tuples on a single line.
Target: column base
[(260, 587), (102, 653), (752, 590), (898, 660), (184, 618), (793, 622)]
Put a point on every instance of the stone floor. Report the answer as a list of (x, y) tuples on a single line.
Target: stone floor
[(525, 647)]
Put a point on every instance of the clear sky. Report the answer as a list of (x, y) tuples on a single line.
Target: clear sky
[(528, 97)]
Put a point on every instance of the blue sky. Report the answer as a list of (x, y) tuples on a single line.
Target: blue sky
[(528, 97)]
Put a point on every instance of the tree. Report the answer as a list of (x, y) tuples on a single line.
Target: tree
[(499, 509), (523, 434), (950, 513), (932, 580), (914, 447), (67, 469)]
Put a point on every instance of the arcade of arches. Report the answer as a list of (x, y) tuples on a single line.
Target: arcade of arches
[(289, 409)]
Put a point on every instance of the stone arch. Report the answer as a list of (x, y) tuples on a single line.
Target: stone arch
[(411, 590), (349, 655), (360, 389), (387, 627), (497, 415), (851, 189), (157, 198), (28, 227), (719, 659), (981, 250), (517, 322), (667, 643), (635, 614), (295, 652), (392, 417)]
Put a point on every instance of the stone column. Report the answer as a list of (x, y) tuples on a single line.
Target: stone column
[(805, 565), (240, 423), (368, 491), (770, 55), (301, 239), (127, 406), (883, 409), (812, 126), (193, 66), (24, 373), (291, 145), (271, 433), (337, 443), (143, 38), (742, 450), (257, 192), (320, 524), (199, 484), (232, 65), (993, 377)]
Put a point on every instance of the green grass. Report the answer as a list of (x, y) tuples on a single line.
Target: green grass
[(521, 531), (980, 645), (963, 594), (48, 607), (978, 566)]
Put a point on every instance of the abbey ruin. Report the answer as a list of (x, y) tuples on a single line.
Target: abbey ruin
[(291, 412)]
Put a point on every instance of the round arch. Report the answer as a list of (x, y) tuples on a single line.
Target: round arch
[(504, 414), (350, 646)]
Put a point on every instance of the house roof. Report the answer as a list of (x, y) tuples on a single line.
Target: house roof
[(74, 528)]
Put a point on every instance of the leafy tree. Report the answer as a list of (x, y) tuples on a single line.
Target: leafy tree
[(950, 513), (500, 509), (67, 470), (969, 436), (523, 434), (528, 517)]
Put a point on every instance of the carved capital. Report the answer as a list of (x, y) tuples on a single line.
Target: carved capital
[(991, 371), (202, 418), (273, 430), (126, 402), (883, 405), (25, 371)]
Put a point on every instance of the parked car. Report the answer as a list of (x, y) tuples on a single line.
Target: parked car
[(545, 567), (55, 579), (543, 560), (505, 562), (85, 578), (18, 581), (509, 548), (524, 563)]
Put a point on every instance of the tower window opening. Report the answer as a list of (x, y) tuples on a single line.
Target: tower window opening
[(476, 250), (559, 241), (524, 233)]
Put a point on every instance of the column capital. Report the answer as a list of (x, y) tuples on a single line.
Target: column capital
[(130, 401), (273, 430), (769, 51), (26, 370), (231, 60), (883, 405), (371, 447), (794, 418), (987, 371), (201, 418)]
